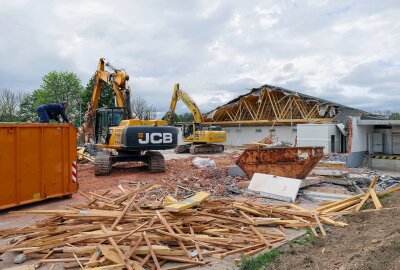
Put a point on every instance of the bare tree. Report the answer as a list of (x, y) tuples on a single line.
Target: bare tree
[(9, 105), (142, 109), (384, 112)]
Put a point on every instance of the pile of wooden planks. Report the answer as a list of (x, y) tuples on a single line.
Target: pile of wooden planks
[(355, 203), (144, 228), (83, 156)]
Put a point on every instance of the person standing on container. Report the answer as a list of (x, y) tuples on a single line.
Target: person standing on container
[(50, 111)]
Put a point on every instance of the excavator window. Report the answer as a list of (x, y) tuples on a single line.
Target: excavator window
[(187, 130), (106, 118), (115, 117)]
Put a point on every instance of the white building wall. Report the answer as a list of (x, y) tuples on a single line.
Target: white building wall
[(246, 134), (359, 140), (318, 135)]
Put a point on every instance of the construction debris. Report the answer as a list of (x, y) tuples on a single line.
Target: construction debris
[(327, 172), (84, 156), (324, 195), (235, 171), (203, 162), (136, 230), (356, 202), (275, 187)]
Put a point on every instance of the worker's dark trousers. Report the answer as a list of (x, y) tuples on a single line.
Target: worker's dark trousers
[(44, 117)]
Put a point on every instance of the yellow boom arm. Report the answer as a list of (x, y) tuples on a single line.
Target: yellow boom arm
[(187, 100), (118, 79)]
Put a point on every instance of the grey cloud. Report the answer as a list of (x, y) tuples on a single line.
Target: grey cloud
[(374, 73), (305, 47)]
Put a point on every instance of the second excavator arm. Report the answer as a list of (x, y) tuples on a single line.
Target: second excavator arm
[(187, 100), (118, 79)]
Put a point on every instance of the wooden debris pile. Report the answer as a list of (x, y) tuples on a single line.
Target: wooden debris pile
[(83, 156), (144, 228), (355, 203)]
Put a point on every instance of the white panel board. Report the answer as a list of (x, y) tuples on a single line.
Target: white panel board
[(275, 187)]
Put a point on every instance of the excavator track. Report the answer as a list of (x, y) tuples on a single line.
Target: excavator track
[(156, 162), (102, 163), (207, 148), (183, 148)]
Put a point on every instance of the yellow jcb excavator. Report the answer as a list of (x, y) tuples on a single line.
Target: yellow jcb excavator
[(200, 137), (114, 130)]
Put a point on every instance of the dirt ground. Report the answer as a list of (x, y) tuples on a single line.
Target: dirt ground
[(371, 241), (179, 171)]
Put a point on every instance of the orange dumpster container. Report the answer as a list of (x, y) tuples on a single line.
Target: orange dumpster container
[(37, 161)]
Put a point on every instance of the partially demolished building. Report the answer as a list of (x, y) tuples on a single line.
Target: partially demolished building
[(304, 120)]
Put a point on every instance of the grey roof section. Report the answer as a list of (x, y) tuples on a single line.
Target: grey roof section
[(343, 112), (374, 122)]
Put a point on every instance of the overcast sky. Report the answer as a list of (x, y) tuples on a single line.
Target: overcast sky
[(344, 51)]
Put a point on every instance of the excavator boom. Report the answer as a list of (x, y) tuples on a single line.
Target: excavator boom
[(118, 79), (182, 95), (201, 140)]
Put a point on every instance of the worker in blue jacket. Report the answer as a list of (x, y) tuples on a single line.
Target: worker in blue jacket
[(50, 111)]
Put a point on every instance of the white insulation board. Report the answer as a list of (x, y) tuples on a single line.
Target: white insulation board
[(275, 187)]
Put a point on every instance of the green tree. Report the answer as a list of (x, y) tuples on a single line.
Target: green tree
[(106, 94), (27, 109), (394, 116), (106, 98), (57, 86), (186, 117), (60, 86)]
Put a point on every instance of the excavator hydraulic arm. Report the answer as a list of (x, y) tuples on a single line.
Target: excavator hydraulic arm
[(118, 79), (182, 95), (201, 139)]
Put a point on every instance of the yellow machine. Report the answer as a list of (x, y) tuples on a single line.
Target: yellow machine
[(117, 134), (201, 138)]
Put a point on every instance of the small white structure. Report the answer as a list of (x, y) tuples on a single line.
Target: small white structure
[(326, 135)]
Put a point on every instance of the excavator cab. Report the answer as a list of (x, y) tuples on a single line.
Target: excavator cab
[(106, 118), (190, 128)]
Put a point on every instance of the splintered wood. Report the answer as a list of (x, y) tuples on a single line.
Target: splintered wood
[(133, 230), (355, 203)]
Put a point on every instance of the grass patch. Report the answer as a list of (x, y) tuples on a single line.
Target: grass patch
[(308, 238), (385, 197), (370, 203), (260, 261)]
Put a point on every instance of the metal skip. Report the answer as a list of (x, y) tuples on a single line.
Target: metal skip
[(292, 162)]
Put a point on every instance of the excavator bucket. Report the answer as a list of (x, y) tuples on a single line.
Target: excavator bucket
[(293, 162)]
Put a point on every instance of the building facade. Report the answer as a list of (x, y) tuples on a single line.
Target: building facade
[(304, 120)]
